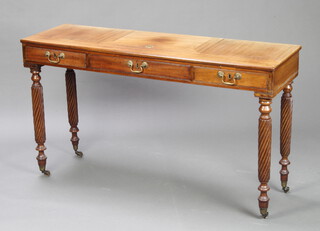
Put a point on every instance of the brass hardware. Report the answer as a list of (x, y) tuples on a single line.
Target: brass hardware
[(285, 188), (264, 212), (227, 80), (237, 76), (78, 153), (57, 58), (220, 74), (143, 66)]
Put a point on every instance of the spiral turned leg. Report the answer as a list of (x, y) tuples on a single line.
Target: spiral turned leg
[(71, 88), (38, 117), (285, 135), (264, 155)]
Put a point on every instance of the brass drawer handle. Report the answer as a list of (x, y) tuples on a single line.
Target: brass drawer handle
[(143, 66), (57, 58), (231, 80)]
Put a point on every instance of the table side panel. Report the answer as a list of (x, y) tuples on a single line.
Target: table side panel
[(285, 73)]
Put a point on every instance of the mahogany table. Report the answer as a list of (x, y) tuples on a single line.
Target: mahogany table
[(264, 68)]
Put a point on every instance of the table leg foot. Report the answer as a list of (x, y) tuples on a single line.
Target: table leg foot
[(264, 199), (42, 160)]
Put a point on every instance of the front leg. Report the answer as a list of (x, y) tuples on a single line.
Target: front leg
[(38, 117), (285, 135), (71, 88), (264, 156)]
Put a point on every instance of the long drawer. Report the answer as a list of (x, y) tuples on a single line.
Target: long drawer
[(139, 66)]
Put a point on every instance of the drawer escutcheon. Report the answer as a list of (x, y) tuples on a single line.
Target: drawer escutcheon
[(229, 80), (143, 66), (57, 58)]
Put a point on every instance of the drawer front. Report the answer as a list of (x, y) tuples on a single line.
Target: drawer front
[(241, 79), (139, 67), (55, 57)]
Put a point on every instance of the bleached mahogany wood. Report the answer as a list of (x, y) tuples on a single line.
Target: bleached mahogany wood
[(264, 68)]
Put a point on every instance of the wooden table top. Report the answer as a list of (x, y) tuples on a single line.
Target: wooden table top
[(198, 49)]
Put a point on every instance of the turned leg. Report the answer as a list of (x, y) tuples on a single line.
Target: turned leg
[(71, 87), (264, 156), (285, 135), (38, 117)]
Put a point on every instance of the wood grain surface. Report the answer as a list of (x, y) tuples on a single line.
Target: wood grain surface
[(266, 68), (257, 55)]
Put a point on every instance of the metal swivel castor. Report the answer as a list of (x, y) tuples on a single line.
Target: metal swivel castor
[(46, 172), (264, 213), (78, 153), (285, 188)]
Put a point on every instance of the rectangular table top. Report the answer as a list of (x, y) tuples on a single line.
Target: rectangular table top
[(198, 49)]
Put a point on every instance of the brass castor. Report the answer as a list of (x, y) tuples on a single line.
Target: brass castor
[(264, 213), (78, 153), (46, 172), (285, 188)]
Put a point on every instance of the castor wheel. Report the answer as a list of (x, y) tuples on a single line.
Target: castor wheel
[(79, 154), (264, 213), (46, 172), (286, 189)]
